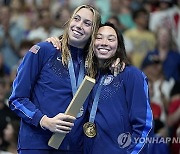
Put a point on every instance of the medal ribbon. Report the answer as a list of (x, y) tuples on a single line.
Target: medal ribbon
[(74, 83), (96, 100)]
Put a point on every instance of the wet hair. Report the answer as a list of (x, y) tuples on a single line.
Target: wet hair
[(92, 61), (65, 37)]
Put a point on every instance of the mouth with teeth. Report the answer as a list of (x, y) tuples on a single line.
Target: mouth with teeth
[(103, 51), (77, 33)]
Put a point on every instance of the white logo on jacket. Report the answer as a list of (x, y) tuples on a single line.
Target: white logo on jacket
[(108, 80)]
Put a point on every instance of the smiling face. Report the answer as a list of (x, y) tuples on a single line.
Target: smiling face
[(106, 43), (80, 28)]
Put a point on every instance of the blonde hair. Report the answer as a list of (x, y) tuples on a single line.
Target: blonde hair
[(65, 37)]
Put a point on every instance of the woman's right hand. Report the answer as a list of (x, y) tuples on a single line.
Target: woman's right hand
[(55, 41), (60, 123)]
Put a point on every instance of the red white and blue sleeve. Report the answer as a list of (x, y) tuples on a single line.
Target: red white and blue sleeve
[(23, 85)]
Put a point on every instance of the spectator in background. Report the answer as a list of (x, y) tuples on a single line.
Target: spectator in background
[(136, 4), (156, 109), (114, 20), (152, 67), (46, 28), (44, 4), (142, 39), (160, 129), (174, 116), (11, 136), (160, 17), (61, 18), (166, 53), (10, 38), (73, 4), (18, 14), (125, 14), (174, 13), (128, 44), (24, 47), (165, 4), (6, 115), (121, 9), (167, 16), (104, 8), (4, 69)]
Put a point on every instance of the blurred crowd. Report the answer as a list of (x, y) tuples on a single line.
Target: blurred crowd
[(151, 30)]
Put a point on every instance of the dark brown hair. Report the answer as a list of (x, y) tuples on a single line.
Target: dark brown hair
[(92, 63)]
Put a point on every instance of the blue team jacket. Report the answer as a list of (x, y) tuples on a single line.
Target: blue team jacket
[(42, 87), (123, 115)]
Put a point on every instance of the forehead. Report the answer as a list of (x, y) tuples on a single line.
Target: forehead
[(85, 13), (107, 30)]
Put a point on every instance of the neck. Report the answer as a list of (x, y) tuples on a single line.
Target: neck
[(76, 45), (163, 51), (140, 28), (12, 148), (100, 63)]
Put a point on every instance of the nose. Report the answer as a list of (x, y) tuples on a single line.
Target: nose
[(79, 24), (104, 42)]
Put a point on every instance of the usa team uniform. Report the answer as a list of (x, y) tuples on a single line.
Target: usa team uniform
[(123, 115), (43, 87)]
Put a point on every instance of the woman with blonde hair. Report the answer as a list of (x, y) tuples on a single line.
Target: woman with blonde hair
[(46, 82)]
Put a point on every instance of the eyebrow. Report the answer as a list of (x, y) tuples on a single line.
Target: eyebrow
[(81, 17), (111, 35)]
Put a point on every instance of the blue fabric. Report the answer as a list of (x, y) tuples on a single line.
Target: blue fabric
[(149, 119), (159, 148), (47, 152), (42, 87), (123, 108), (171, 65)]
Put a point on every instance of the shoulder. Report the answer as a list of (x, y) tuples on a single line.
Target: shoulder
[(45, 46), (43, 49), (174, 53), (131, 72)]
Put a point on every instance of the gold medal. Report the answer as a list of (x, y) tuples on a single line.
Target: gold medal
[(89, 129)]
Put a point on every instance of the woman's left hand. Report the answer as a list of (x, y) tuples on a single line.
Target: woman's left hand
[(117, 67), (55, 41)]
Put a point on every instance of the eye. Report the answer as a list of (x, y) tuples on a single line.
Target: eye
[(111, 39), (76, 18), (88, 24), (98, 37)]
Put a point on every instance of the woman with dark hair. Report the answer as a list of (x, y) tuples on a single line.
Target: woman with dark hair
[(120, 117)]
